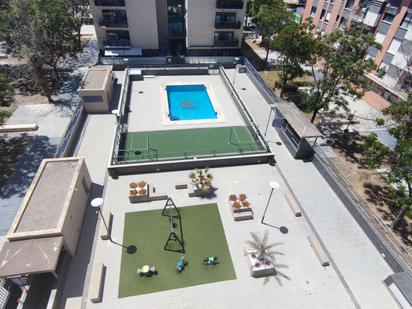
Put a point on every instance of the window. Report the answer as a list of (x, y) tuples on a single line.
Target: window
[(349, 4), (322, 14), (379, 37), (224, 36), (92, 99), (313, 11), (328, 16), (407, 20), (388, 17), (226, 17), (394, 47)]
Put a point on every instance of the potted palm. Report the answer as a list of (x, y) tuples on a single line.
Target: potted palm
[(201, 181), (261, 255)]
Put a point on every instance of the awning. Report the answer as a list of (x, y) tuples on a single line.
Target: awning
[(134, 51), (29, 256), (298, 120)]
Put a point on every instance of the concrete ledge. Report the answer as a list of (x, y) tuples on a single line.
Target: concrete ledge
[(181, 185), (105, 233), (317, 248), (18, 127), (243, 215), (97, 283), (293, 204)]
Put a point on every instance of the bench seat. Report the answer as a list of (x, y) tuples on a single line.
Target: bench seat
[(97, 282), (293, 204), (317, 248)]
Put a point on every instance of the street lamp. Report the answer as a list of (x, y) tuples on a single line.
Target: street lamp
[(274, 186), (98, 203), (267, 124), (117, 114), (235, 62)]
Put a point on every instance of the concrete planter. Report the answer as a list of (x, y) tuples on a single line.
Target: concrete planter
[(139, 198), (259, 268), (198, 192)]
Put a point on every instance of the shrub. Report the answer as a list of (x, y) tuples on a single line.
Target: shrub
[(380, 121), (6, 91)]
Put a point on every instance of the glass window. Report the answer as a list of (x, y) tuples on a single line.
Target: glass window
[(92, 99), (313, 11), (226, 17), (224, 36), (407, 20), (349, 4), (322, 14), (388, 17)]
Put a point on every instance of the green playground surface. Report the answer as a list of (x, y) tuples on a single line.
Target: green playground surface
[(203, 236), (165, 144)]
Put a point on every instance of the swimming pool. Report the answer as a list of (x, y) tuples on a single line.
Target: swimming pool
[(189, 102)]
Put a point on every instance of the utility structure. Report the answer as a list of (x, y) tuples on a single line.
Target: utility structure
[(175, 220)]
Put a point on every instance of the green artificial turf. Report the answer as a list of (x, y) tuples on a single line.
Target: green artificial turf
[(188, 143), (148, 230)]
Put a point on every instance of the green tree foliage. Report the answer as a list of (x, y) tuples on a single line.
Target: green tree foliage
[(271, 16), (294, 44), (399, 160), (41, 31), (80, 11), (6, 91), (341, 56)]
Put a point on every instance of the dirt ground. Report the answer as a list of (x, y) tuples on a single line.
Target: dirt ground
[(368, 183)]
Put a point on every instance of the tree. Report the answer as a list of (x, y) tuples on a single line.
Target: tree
[(41, 31), (294, 44), (341, 56), (6, 91), (271, 16), (399, 160), (263, 248), (80, 12)]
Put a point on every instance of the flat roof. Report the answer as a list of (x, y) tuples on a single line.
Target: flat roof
[(96, 78), (47, 199), (28, 256), (298, 120)]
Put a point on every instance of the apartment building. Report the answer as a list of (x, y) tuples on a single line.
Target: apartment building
[(390, 21), (176, 27)]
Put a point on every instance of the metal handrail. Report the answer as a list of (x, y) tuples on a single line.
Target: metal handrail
[(368, 213)]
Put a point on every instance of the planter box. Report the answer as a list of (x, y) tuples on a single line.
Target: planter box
[(245, 214), (197, 192), (139, 198), (263, 270)]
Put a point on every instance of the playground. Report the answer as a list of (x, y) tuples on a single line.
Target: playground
[(202, 234)]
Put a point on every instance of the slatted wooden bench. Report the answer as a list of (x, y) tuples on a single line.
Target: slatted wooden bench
[(158, 196), (105, 233), (97, 282), (317, 248), (293, 204)]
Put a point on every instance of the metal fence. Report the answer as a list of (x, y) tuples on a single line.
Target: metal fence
[(382, 236), (169, 61)]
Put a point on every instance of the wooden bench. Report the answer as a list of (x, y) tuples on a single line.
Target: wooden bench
[(181, 185), (97, 282), (158, 196), (108, 218), (317, 247), (8, 128), (293, 204)]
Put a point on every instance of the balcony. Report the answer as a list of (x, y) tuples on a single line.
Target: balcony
[(229, 4), (120, 22), (124, 43), (109, 2), (226, 43), (227, 25), (176, 34)]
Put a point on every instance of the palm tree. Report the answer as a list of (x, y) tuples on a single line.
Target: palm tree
[(202, 179), (263, 248)]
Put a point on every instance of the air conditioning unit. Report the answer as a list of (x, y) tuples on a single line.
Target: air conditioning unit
[(240, 68)]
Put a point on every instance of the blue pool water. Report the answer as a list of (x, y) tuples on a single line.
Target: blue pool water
[(189, 102)]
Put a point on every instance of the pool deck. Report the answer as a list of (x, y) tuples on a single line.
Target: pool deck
[(147, 110), (353, 281)]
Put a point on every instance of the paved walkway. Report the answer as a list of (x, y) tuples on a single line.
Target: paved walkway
[(357, 260)]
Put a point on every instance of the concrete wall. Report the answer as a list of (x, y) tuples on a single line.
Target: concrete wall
[(200, 23), (77, 206), (142, 23), (162, 22)]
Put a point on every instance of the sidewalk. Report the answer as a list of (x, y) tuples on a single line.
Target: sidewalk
[(361, 267)]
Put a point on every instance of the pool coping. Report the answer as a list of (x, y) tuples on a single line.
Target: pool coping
[(165, 105)]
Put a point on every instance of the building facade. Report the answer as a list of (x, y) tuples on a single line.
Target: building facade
[(176, 27), (391, 24)]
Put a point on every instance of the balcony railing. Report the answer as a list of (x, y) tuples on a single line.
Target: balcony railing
[(226, 43), (115, 23), (109, 2), (227, 25), (229, 4), (173, 34), (116, 43)]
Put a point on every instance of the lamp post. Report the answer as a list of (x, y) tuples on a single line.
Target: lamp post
[(98, 203), (116, 113), (274, 186), (235, 62), (267, 124)]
